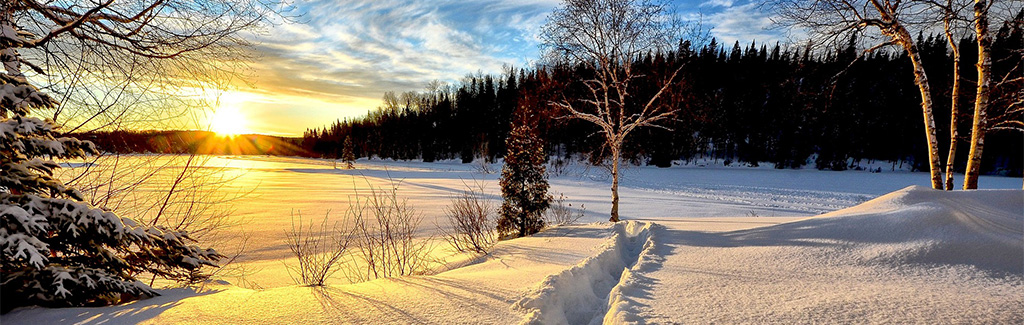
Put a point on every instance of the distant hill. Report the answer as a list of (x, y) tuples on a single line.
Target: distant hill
[(200, 142)]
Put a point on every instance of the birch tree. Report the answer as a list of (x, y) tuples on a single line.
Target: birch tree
[(830, 20), (999, 99), (607, 36), (981, 99), (951, 26)]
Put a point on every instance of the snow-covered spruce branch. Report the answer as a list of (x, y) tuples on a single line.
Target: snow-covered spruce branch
[(62, 252)]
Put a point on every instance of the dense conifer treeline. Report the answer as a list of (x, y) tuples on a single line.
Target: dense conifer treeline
[(749, 104)]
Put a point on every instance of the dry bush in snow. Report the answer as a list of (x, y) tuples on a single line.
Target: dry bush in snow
[(483, 165), (384, 230), (470, 222), (560, 213), (318, 248)]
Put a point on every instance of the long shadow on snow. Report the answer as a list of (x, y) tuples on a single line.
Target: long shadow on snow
[(333, 300), (131, 313), (545, 255), (401, 177), (955, 238)]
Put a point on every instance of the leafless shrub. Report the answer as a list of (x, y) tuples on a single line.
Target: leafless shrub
[(470, 219), (561, 213), (319, 249), (385, 235), (557, 167), (483, 166)]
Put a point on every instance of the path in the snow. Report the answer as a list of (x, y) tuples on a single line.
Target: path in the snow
[(478, 293)]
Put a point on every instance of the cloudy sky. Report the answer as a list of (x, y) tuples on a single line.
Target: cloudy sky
[(337, 58)]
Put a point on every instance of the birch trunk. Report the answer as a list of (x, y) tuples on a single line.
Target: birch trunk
[(981, 99), (921, 79), (615, 184), (954, 134), (954, 108)]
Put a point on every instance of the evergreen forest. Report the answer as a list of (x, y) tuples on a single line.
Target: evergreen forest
[(741, 103)]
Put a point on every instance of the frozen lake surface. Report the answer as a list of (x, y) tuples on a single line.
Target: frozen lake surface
[(702, 245), (269, 191)]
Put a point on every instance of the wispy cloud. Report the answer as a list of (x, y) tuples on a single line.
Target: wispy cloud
[(351, 52), (744, 23), (717, 3), (337, 58)]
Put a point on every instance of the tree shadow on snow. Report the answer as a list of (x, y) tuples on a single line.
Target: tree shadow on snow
[(131, 313)]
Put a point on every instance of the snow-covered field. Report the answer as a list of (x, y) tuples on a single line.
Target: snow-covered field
[(715, 244)]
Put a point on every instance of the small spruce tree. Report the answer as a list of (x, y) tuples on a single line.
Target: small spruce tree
[(347, 155), (57, 250), (524, 184)]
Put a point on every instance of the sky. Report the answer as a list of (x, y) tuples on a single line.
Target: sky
[(335, 59)]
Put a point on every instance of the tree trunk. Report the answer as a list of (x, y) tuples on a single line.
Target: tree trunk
[(615, 185), (981, 99), (953, 118), (921, 78)]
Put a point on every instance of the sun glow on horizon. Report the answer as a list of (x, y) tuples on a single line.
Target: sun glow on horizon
[(228, 119)]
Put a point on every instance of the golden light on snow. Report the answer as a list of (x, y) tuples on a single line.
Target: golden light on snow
[(228, 119)]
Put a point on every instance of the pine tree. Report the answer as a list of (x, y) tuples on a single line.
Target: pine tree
[(524, 184), (57, 250), (347, 155)]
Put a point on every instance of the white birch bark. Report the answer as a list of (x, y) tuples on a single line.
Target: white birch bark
[(982, 97)]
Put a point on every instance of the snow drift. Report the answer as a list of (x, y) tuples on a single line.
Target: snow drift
[(918, 227), (916, 255)]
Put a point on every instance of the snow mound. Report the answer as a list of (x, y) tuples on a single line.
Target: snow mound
[(583, 293), (913, 256), (918, 229)]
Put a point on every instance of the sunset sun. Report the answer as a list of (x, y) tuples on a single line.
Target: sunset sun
[(228, 119)]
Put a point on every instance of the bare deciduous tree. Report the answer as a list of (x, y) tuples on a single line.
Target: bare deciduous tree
[(832, 19), (607, 36), (999, 101), (136, 62)]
